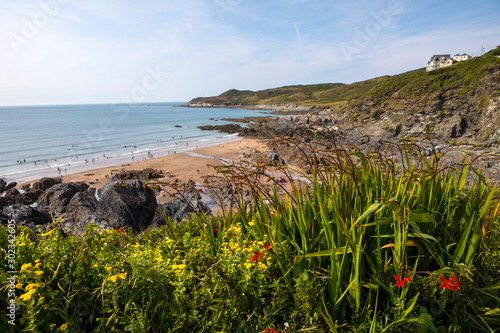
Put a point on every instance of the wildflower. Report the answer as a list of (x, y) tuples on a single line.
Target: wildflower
[(94, 265), (247, 265), (449, 285), (262, 266), (136, 245), (48, 232), (52, 325), (169, 241), (27, 296), (19, 285), (37, 261), (254, 259), (32, 286), (267, 246), (269, 330), (401, 283), (37, 265), (122, 276), (22, 244), (108, 268), (251, 223), (26, 267), (38, 273), (159, 259), (216, 230), (112, 278), (63, 327), (41, 299)]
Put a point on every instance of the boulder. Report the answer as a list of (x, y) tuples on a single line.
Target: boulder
[(46, 183), (27, 198), (190, 188), (11, 193), (27, 216), (273, 158), (128, 204), (80, 211), (26, 187), (145, 174), (10, 185), (2, 185), (179, 208), (58, 196)]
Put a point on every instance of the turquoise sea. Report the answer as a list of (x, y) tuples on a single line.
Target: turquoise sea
[(49, 140)]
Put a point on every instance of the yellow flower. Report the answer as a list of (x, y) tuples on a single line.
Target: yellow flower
[(251, 223), (158, 251), (122, 276), (41, 299), (48, 232), (136, 245), (112, 278), (19, 285), (247, 265), (108, 268), (262, 266), (94, 265), (22, 244), (37, 265), (38, 272), (178, 266), (63, 327), (52, 325), (38, 260), (25, 267), (27, 296), (159, 259), (169, 241), (33, 285)]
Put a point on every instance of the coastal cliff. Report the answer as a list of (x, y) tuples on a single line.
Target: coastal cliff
[(459, 102)]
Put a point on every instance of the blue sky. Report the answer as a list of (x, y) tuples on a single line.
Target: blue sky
[(88, 51)]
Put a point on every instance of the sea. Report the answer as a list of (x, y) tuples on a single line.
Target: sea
[(54, 140)]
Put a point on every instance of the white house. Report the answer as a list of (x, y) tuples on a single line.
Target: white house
[(439, 61), (461, 57)]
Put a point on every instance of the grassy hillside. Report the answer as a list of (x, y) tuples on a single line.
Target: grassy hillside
[(463, 78)]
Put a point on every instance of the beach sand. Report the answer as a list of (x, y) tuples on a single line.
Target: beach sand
[(193, 165)]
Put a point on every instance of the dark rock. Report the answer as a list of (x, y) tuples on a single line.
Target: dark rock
[(46, 183), (273, 158), (190, 188), (2, 185), (138, 174), (26, 188), (179, 208), (127, 204), (11, 193), (58, 196), (80, 211), (27, 216), (27, 198), (10, 185)]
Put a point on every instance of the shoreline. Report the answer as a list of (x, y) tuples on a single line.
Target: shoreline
[(67, 170), (193, 164)]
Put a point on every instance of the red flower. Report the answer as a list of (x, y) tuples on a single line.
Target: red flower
[(401, 283), (449, 285), (216, 230), (120, 230), (254, 259), (258, 254), (269, 330), (267, 246)]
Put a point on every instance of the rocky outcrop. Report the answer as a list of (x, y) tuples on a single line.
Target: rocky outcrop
[(126, 204), (2, 185), (179, 208), (27, 216), (57, 197), (138, 174), (9, 186), (46, 183), (81, 211)]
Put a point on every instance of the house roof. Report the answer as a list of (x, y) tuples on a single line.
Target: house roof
[(437, 56)]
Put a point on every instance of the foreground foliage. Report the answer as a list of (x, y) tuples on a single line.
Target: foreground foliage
[(366, 244)]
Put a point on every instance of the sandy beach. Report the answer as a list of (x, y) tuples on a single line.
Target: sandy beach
[(191, 165)]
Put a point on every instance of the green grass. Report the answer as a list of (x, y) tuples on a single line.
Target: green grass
[(321, 258), (461, 78)]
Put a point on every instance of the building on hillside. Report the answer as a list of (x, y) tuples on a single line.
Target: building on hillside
[(439, 61), (461, 57)]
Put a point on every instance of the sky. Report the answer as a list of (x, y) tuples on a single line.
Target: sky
[(130, 51)]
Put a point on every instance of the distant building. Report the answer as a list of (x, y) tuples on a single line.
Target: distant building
[(439, 61), (461, 57)]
